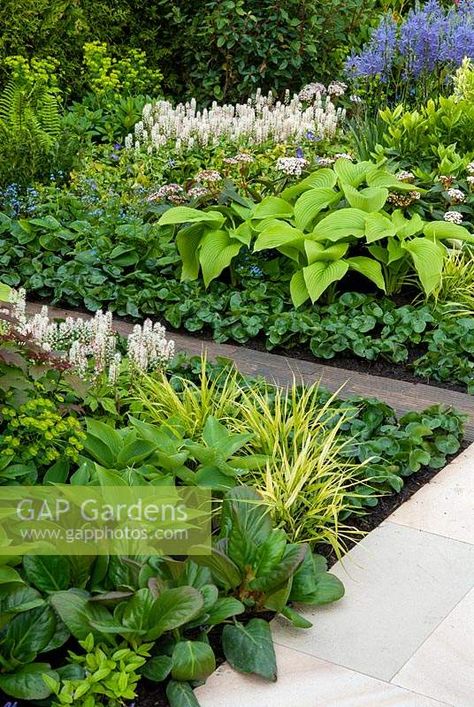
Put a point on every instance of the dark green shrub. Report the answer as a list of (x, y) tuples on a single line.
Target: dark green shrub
[(221, 48)]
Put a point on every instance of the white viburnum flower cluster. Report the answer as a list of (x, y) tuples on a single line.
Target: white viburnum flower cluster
[(453, 217), (456, 196), (291, 165), (260, 119), (89, 346), (147, 347)]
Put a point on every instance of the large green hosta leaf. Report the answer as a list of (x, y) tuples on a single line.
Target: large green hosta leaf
[(320, 275), (445, 229), (187, 242), (341, 224), (216, 251), (350, 173), (406, 227), (272, 207), (370, 200), (381, 178), (369, 268), (317, 251), (322, 178), (298, 289), (184, 214), (310, 203), (277, 234), (378, 226), (428, 258)]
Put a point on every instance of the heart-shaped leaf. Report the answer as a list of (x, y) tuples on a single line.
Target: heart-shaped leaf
[(320, 275), (341, 224), (310, 203), (184, 214), (428, 258)]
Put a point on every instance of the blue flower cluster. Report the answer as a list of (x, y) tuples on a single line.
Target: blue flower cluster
[(429, 39), (16, 201)]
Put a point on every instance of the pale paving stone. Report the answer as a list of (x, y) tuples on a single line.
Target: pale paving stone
[(304, 681), (444, 665), (460, 471), (400, 584), (445, 506), (442, 509)]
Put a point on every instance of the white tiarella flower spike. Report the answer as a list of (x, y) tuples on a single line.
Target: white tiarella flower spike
[(90, 346), (147, 348), (259, 119)]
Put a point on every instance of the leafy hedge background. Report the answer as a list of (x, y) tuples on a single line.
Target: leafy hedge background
[(221, 49)]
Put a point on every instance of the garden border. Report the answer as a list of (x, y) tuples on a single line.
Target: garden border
[(411, 579), (402, 395)]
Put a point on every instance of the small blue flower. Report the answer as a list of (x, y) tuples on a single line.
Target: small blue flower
[(310, 135), (117, 146), (300, 153)]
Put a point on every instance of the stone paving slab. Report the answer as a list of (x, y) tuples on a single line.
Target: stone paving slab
[(443, 665), (400, 584), (305, 681), (406, 620)]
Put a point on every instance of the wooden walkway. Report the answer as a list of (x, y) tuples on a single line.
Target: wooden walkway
[(401, 395)]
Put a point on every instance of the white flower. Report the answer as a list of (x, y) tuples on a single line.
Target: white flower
[(209, 175), (470, 168), (456, 196), (337, 88), (311, 91), (89, 346), (406, 176), (197, 192), (453, 217), (114, 369), (148, 348), (166, 191), (259, 119), (291, 165), (325, 161)]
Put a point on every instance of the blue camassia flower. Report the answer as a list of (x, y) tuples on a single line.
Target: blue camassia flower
[(429, 39)]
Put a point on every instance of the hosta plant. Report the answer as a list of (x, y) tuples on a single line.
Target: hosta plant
[(334, 221), (338, 212)]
